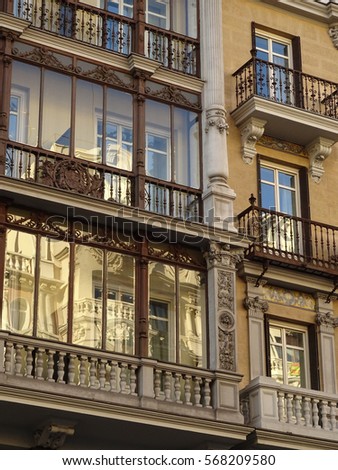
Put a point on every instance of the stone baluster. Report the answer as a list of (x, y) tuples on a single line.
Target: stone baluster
[(61, 368), (307, 411), (71, 369), (298, 409), (157, 383), (177, 387), (92, 373), (333, 414), (18, 360), (39, 364), (167, 386), (323, 412), (29, 362), (315, 413), (280, 404), (102, 374), (207, 393), (197, 391), (123, 377), (83, 371), (187, 389), (112, 377), (9, 358), (50, 365), (289, 413), (133, 379)]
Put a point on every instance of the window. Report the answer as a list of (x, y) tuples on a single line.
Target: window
[(157, 13), (273, 79), (279, 193), (86, 294), (289, 361), (179, 16)]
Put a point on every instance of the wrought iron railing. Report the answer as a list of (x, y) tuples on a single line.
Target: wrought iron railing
[(286, 86), (290, 240), (100, 181), (109, 31)]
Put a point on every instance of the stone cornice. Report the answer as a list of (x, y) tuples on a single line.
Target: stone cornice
[(315, 10)]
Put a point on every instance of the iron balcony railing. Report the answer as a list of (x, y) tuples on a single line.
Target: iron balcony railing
[(289, 240), (102, 181), (109, 31), (286, 86)]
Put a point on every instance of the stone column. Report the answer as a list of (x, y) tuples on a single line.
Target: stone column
[(218, 197), (326, 343), (256, 307)]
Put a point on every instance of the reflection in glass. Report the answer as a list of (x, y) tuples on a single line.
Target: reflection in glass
[(25, 99), (89, 109), (158, 140), (19, 282), (192, 318), (120, 292), (87, 306), (186, 151), (162, 311), (53, 289), (56, 112)]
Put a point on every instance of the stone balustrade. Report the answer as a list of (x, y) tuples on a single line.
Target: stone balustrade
[(79, 372), (267, 404)]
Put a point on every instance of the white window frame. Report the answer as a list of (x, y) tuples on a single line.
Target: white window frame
[(166, 17), (284, 326), (162, 135), (21, 94)]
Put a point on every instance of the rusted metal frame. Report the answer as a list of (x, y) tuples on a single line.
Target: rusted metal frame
[(138, 44), (6, 6), (142, 301)]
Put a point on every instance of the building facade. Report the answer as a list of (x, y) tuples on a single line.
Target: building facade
[(150, 299)]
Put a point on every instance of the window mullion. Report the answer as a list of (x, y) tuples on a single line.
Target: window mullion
[(104, 298), (36, 283)]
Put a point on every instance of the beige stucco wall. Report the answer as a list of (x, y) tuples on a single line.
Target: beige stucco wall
[(320, 59)]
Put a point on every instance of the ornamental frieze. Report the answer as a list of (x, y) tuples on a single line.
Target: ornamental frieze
[(289, 147), (225, 290), (173, 94), (289, 298), (42, 55)]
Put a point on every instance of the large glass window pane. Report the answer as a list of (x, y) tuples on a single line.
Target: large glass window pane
[(88, 121), (120, 288), (184, 17), (158, 140), (53, 289), (119, 130), (192, 318), (162, 312), (56, 112), (268, 196), (24, 104), (18, 293), (88, 286), (186, 151), (157, 13), (287, 201)]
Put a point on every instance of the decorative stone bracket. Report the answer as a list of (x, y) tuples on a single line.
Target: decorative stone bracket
[(333, 33), (318, 151), (53, 436), (251, 131)]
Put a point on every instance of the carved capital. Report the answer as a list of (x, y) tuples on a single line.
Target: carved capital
[(318, 151), (52, 436), (216, 117), (326, 320), (251, 131), (333, 33), (221, 255), (256, 307)]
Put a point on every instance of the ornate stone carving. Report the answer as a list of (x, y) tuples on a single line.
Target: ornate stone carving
[(326, 319), (106, 74), (333, 33), (226, 320), (222, 255), (318, 151), (216, 117), (52, 436), (251, 131), (256, 307), (282, 145), (43, 56), (225, 290), (72, 176), (289, 297)]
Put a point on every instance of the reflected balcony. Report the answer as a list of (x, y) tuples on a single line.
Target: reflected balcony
[(291, 105)]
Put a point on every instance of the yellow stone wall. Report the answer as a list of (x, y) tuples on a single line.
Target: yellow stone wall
[(320, 59)]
